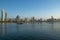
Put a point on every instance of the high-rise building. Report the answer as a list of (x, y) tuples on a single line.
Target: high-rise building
[(2, 15), (6, 15)]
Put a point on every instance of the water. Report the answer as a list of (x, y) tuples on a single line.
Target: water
[(41, 31)]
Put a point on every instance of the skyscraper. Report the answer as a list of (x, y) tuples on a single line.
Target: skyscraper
[(2, 15), (6, 16)]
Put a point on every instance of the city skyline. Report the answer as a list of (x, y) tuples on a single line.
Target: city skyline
[(28, 8), (5, 17)]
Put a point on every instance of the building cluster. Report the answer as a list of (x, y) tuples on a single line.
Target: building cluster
[(26, 20), (2, 16)]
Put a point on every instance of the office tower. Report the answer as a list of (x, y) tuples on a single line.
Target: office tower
[(6, 16), (2, 15)]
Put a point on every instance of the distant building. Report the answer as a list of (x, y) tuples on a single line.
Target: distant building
[(10, 20), (18, 19), (33, 19), (6, 16), (2, 15), (27, 20), (40, 20), (51, 19)]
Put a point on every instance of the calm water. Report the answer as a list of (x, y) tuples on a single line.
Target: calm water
[(42, 31)]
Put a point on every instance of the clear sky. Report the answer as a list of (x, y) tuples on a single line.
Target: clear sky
[(29, 8)]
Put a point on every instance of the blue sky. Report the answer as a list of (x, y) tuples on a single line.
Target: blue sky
[(29, 8)]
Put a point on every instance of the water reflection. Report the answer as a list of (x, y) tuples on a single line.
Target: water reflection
[(2, 29), (40, 22), (6, 28), (17, 27), (33, 25), (35, 30), (52, 26)]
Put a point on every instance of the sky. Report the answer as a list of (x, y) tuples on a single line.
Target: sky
[(29, 8)]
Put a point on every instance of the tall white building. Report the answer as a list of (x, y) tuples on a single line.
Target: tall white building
[(2, 15), (6, 16)]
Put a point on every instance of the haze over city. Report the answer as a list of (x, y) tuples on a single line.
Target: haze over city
[(28, 8)]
